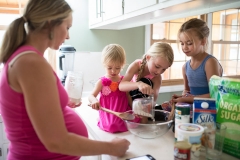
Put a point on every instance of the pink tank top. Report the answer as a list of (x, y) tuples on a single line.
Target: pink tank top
[(24, 142), (134, 79)]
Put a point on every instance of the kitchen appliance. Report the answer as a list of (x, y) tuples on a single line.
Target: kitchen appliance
[(66, 61), (152, 129), (3, 141)]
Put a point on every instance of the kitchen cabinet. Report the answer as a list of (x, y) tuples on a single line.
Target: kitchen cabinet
[(112, 9), (3, 141), (134, 5), (102, 10), (3, 151), (95, 11), (144, 12)]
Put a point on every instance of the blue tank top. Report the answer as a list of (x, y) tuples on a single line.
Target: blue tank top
[(197, 78)]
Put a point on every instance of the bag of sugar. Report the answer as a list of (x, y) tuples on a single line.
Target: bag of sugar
[(226, 92)]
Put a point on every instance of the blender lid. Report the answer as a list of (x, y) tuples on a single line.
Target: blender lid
[(67, 48)]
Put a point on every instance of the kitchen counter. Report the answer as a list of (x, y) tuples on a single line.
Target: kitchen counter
[(159, 148)]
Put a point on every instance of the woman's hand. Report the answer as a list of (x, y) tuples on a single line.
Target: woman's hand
[(73, 104), (145, 88), (120, 146)]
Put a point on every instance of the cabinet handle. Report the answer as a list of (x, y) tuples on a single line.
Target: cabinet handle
[(98, 8), (101, 2), (123, 6)]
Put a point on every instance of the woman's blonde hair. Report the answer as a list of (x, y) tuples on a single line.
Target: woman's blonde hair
[(38, 15), (158, 49), (196, 26), (114, 53)]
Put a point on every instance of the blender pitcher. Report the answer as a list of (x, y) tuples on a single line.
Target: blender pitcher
[(74, 87), (66, 60)]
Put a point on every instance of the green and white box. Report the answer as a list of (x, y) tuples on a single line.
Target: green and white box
[(226, 92)]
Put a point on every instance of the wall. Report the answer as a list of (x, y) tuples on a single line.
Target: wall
[(86, 40)]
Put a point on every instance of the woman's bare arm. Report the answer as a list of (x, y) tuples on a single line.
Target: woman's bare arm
[(38, 84)]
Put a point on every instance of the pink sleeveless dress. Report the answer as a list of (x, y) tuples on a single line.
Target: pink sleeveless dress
[(24, 142), (112, 98)]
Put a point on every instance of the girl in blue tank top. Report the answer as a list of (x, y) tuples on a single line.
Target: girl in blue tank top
[(193, 36)]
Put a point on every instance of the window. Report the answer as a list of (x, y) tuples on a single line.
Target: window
[(224, 43), (226, 40), (11, 10), (6, 19)]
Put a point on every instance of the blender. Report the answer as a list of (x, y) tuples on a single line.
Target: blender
[(66, 61)]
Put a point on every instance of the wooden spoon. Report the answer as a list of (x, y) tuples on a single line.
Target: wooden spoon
[(171, 114), (122, 115)]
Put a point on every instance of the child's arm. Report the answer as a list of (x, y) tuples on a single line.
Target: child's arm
[(186, 96), (212, 67), (185, 81), (126, 84), (92, 98), (129, 99)]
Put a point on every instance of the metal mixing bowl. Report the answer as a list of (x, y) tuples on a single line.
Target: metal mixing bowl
[(151, 129)]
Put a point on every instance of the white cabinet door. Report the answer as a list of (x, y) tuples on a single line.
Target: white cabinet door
[(3, 151), (95, 11), (134, 5), (112, 9)]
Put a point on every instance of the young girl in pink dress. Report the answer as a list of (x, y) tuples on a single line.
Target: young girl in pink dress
[(113, 59)]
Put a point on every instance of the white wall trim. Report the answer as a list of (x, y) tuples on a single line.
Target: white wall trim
[(147, 37), (163, 89), (175, 88)]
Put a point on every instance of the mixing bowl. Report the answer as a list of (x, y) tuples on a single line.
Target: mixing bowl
[(152, 129)]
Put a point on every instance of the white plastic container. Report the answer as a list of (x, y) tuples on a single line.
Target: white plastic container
[(192, 133), (189, 131)]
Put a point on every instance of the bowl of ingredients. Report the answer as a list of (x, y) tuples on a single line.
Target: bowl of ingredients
[(155, 127)]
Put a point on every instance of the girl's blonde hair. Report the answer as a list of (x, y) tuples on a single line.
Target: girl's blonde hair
[(196, 26), (158, 49), (38, 14), (114, 53)]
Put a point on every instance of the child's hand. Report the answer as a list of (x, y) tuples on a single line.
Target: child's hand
[(145, 88), (176, 96), (95, 105)]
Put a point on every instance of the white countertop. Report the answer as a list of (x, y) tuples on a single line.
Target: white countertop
[(160, 148)]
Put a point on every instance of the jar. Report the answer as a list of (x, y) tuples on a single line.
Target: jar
[(182, 150), (144, 106), (191, 133), (74, 86)]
